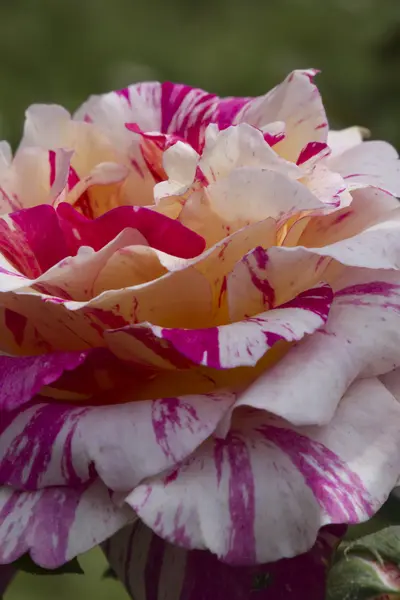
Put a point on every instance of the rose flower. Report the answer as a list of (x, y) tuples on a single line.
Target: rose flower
[(200, 323)]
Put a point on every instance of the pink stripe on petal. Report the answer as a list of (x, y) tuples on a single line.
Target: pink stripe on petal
[(52, 163), (22, 377), (56, 524), (242, 544), (152, 569), (54, 444), (245, 342), (340, 492), (124, 93), (29, 455), (73, 178), (313, 151), (278, 485)]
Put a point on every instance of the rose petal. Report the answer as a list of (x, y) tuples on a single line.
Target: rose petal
[(151, 568), (22, 377), (51, 444), (101, 155), (57, 524), (263, 493), (241, 146), (161, 232), (248, 195), (329, 187), (32, 240), (298, 104), (369, 164), (368, 206), (359, 339), (340, 141), (245, 342)]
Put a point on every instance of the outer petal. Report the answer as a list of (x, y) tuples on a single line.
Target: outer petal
[(340, 141), (264, 492), (152, 569), (54, 444), (166, 108), (361, 338), (369, 164), (368, 206), (23, 377), (57, 524), (298, 104), (245, 342)]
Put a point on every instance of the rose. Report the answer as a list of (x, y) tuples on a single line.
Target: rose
[(199, 316)]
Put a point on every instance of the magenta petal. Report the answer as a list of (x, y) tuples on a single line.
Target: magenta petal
[(22, 377), (161, 232), (151, 568), (35, 242)]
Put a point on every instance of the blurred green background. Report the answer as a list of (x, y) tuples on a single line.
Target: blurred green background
[(63, 50)]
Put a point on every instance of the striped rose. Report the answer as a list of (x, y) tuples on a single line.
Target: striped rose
[(200, 319)]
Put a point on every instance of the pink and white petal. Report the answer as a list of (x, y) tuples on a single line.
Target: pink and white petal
[(244, 343), (271, 278), (167, 108), (191, 296), (248, 195), (28, 180), (376, 247), (22, 377), (329, 187), (373, 164), (103, 174), (186, 111), (133, 266), (368, 206), (344, 139), (54, 444), (77, 277), (360, 339), (241, 146), (50, 126), (298, 104), (140, 103), (57, 524), (152, 569), (263, 492), (312, 154)]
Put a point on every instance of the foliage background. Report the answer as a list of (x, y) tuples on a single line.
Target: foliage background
[(63, 50)]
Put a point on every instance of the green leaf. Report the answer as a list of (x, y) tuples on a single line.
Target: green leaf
[(26, 564), (383, 545), (355, 578), (367, 568)]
